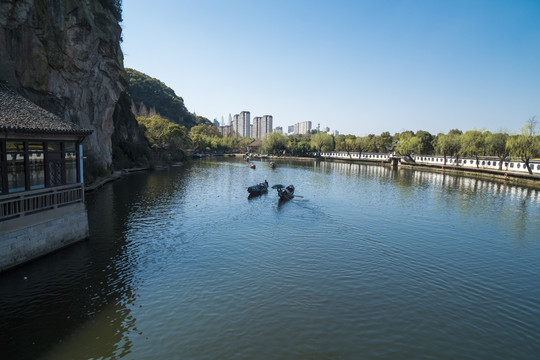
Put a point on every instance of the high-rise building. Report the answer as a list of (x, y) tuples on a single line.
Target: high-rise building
[(256, 133), (302, 128), (244, 128), (226, 130), (235, 125), (266, 126), (290, 130)]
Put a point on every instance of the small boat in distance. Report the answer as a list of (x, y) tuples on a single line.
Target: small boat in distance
[(258, 189), (284, 193), (252, 165), (272, 165)]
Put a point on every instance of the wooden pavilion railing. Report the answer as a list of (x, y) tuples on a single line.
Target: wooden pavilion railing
[(29, 202)]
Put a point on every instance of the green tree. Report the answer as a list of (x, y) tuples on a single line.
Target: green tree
[(362, 144), (525, 146), (448, 144), (406, 143), (299, 146), (454, 142), (322, 142), (345, 143), (496, 145), (383, 142), (168, 139), (275, 142), (473, 143), (425, 142)]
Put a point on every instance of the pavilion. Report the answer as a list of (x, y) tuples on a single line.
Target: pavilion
[(41, 181)]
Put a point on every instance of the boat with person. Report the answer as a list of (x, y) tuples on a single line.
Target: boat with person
[(272, 165), (258, 189), (252, 165), (284, 193)]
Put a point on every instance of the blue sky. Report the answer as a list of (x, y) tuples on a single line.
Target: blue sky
[(358, 67)]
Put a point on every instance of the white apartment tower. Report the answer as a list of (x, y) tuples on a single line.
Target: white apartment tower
[(266, 125), (262, 125), (302, 128), (256, 129), (244, 124), (235, 125)]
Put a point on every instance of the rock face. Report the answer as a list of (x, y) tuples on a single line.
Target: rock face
[(65, 56)]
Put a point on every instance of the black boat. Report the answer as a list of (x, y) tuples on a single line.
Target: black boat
[(284, 193), (258, 189)]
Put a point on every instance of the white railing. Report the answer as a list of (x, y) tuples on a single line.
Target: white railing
[(484, 163), (29, 202)]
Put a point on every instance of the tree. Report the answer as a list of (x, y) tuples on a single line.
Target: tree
[(322, 141), (361, 144), (275, 142), (202, 137), (168, 139), (383, 142), (496, 145), (407, 143), (345, 143), (299, 146), (425, 142), (526, 146), (448, 144), (473, 144), (454, 143)]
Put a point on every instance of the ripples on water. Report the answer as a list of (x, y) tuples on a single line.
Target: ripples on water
[(369, 263)]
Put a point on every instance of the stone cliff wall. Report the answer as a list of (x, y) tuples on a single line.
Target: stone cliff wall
[(65, 56)]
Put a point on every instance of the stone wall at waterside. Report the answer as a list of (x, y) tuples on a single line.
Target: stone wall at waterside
[(33, 236)]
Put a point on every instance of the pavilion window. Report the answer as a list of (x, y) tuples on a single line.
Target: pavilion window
[(70, 158), (15, 159), (36, 161), (3, 184), (55, 166)]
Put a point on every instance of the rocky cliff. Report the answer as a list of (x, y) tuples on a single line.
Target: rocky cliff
[(65, 56)]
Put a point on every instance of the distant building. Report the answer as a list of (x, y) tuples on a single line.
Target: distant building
[(216, 123), (301, 128), (244, 124), (334, 133), (262, 125), (278, 128), (226, 130), (235, 125), (290, 129), (256, 127), (267, 123)]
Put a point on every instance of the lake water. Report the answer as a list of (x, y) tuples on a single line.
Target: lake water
[(369, 263)]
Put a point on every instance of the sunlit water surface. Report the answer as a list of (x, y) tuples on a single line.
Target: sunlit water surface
[(369, 263)]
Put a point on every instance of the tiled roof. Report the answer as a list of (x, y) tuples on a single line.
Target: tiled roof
[(18, 115), (255, 143)]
